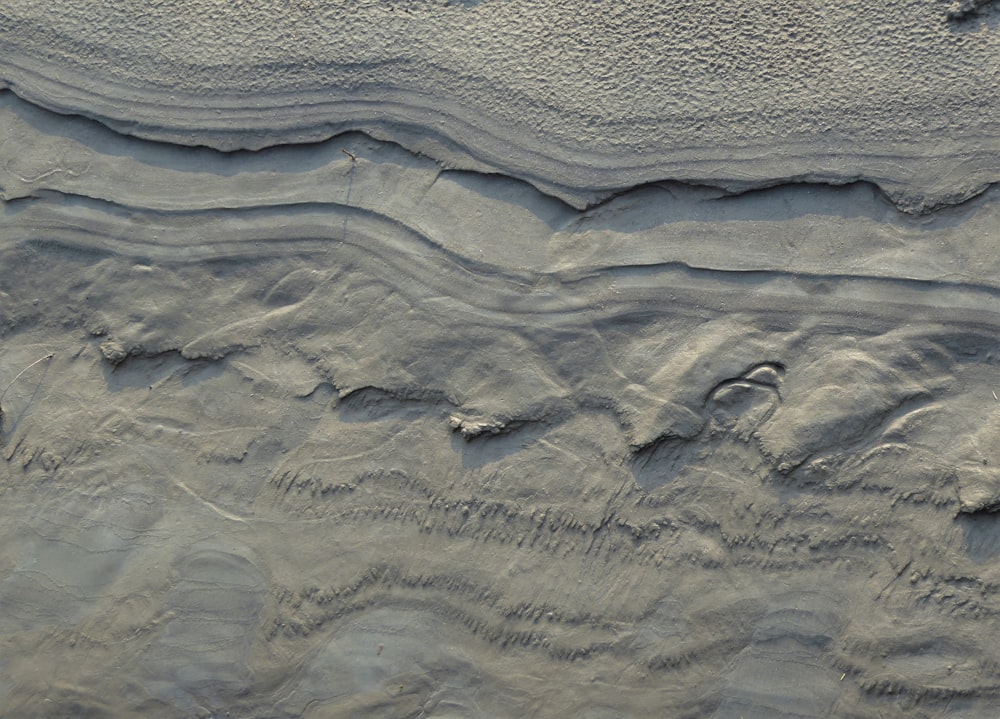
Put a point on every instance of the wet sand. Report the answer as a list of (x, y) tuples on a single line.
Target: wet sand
[(494, 360)]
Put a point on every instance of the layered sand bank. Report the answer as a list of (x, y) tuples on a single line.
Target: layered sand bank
[(489, 359)]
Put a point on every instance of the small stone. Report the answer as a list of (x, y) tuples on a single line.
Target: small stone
[(113, 351)]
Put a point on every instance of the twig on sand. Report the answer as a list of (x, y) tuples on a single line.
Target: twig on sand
[(350, 184), (3, 394), (893, 580)]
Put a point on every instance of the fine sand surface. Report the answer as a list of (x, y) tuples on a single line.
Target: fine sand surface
[(500, 359)]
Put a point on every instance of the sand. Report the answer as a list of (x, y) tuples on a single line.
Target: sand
[(499, 359)]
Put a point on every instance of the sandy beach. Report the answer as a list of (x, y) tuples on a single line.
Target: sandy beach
[(499, 359)]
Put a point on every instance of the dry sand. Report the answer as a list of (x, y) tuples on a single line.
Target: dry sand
[(499, 359)]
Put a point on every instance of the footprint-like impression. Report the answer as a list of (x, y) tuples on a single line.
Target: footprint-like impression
[(734, 408), (738, 406), (201, 658), (786, 671)]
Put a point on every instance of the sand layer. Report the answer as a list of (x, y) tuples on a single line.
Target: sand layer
[(579, 98), (499, 359)]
